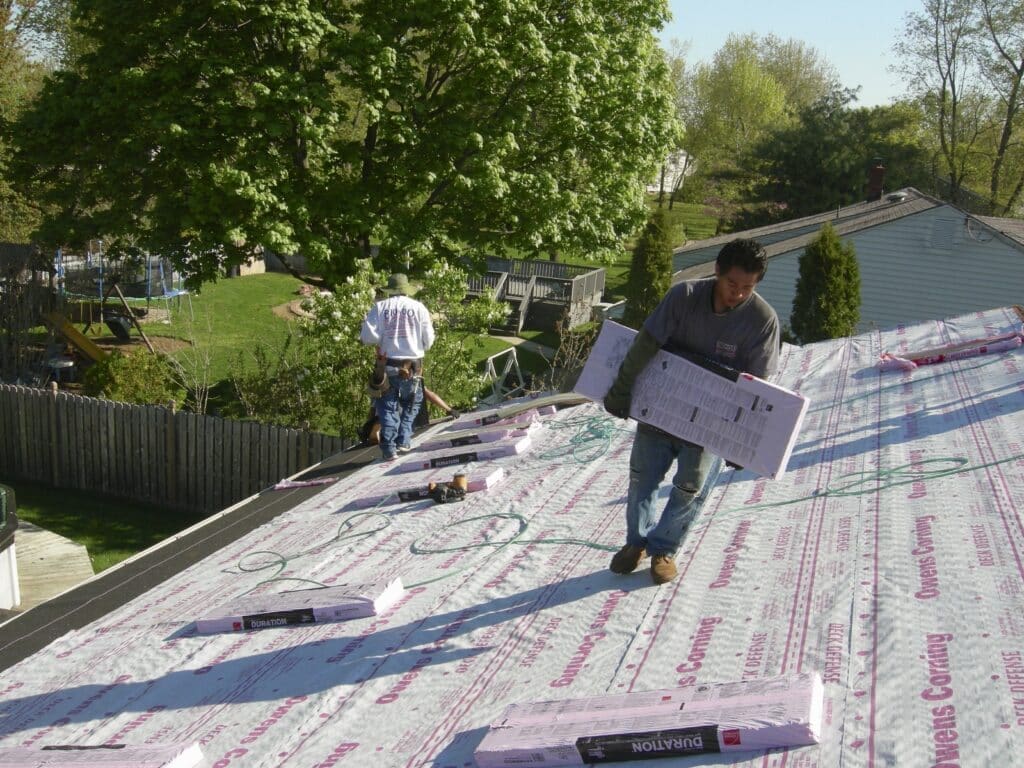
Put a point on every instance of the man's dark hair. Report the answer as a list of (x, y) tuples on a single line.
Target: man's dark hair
[(749, 255)]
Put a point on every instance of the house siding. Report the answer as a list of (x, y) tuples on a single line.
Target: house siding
[(779, 284), (925, 266)]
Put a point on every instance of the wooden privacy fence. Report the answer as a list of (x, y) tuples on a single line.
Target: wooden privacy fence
[(147, 453)]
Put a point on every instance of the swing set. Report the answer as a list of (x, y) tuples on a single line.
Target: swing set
[(93, 291)]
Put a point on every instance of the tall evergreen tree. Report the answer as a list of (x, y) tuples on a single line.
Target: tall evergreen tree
[(827, 301), (650, 275)]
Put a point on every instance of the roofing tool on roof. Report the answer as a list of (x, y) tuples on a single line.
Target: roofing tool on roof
[(445, 493), (907, 361), (442, 493), (485, 477)]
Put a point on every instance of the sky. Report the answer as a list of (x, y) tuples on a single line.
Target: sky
[(857, 38)]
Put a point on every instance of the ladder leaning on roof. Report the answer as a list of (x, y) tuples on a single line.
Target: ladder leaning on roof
[(509, 382)]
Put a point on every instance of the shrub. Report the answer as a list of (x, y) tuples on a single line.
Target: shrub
[(827, 300), (574, 345), (139, 377), (267, 383), (650, 275), (460, 326)]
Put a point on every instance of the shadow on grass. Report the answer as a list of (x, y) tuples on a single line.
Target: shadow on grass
[(111, 529)]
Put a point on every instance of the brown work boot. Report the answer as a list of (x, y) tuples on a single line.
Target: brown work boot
[(627, 559), (663, 569)]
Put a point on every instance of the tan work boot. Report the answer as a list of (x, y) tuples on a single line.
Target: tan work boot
[(663, 569), (627, 559)]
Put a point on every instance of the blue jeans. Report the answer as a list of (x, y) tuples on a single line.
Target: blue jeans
[(397, 410), (696, 471)]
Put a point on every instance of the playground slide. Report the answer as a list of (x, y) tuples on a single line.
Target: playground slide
[(82, 342)]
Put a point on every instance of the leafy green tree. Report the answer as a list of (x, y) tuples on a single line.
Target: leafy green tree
[(398, 131), (804, 73), (650, 275), (38, 29), (730, 103), (53, 38), (940, 52), (725, 107), (827, 301), (21, 77), (964, 62), (752, 83), (1003, 23), (677, 164), (821, 161)]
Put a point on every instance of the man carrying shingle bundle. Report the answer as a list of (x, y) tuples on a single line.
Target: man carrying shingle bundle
[(721, 319)]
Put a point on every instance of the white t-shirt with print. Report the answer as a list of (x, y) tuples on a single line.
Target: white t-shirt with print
[(400, 326)]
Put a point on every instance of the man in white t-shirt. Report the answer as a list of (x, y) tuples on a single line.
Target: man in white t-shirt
[(401, 329)]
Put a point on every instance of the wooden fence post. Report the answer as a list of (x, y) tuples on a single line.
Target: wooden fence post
[(23, 463), (172, 456), (54, 436)]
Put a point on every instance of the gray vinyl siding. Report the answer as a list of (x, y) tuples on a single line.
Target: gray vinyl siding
[(928, 266), (779, 285)]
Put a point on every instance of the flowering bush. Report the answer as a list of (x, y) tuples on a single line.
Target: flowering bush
[(319, 378), (461, 326), (338, 365)]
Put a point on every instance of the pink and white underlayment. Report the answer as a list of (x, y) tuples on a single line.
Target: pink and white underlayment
[(886, 559)]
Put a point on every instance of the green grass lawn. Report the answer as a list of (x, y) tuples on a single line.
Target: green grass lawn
[(229, 315), (111, 529)]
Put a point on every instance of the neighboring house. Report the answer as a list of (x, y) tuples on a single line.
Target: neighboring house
[(677, 166), (920, 258)]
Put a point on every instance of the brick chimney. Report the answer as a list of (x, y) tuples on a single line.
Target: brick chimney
[(876, 179)]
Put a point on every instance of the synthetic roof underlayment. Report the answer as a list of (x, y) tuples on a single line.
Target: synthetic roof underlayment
[(887, 558)]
